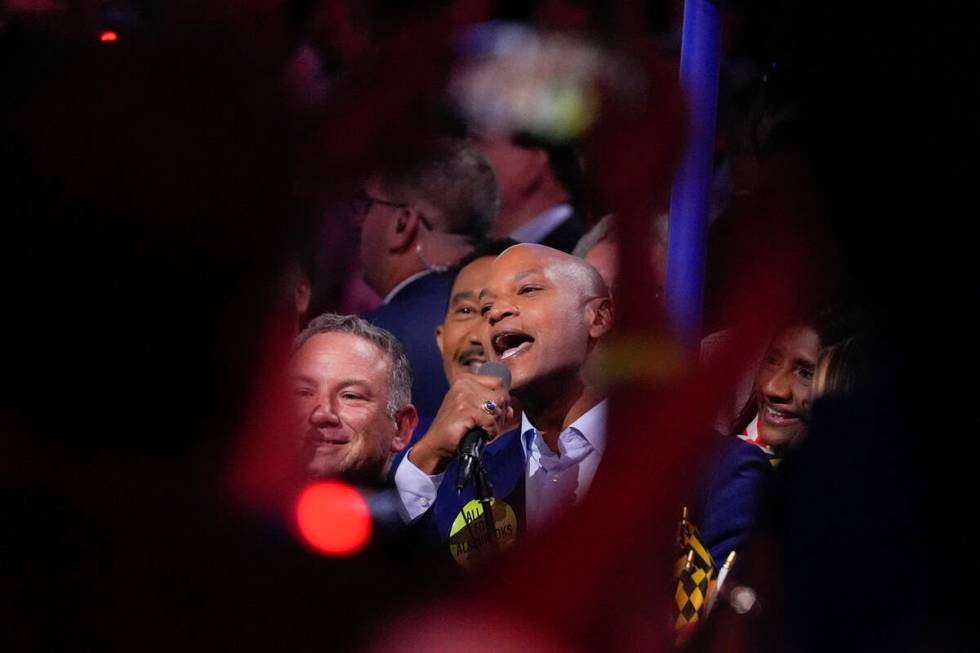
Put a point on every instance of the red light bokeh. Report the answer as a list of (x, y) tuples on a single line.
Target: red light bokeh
[(333, 518), (108, 37)]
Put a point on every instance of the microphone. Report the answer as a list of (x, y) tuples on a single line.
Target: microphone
[(472, 445)]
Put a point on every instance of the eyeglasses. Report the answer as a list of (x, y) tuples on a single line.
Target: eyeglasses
[(361, 203)]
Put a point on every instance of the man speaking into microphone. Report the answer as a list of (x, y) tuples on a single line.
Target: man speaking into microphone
[(542, 313)]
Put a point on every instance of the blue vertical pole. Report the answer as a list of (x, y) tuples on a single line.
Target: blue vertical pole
[(689, 199)]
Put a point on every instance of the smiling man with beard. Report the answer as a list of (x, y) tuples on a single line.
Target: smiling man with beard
[(352, 387), (543, 312)]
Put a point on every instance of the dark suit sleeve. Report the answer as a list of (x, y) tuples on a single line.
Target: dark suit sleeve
[(565, 236), (733, 498), (412, 317)]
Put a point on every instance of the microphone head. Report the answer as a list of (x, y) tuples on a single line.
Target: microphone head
[(498, 370)]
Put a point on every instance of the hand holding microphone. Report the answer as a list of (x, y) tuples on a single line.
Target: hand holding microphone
[(477, 406), (472, 444)]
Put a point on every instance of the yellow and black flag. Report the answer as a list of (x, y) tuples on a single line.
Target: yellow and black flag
[(695, 574)]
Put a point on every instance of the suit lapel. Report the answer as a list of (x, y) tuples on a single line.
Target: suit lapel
[(505, 465)]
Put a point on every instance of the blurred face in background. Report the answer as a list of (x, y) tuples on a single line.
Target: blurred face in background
[(373, 219), (604, 258), (516, 168), (782, 386)]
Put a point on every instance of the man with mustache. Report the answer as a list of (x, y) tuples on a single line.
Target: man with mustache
[(460, 339), (543, 312), (460, 336)]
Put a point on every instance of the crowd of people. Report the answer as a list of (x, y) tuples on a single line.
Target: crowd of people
[(254, 250), (397, 403)]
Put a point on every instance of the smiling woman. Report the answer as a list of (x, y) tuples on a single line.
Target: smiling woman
[(775, 416), (782, 386)]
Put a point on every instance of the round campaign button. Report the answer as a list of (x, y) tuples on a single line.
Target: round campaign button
[(471, 539)]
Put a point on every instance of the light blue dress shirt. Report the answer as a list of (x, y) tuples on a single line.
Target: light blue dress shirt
[(554, 482)]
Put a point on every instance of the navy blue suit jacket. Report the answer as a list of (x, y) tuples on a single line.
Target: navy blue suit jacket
[(732, 501), (504, 461), (412, 315), (566, 235)]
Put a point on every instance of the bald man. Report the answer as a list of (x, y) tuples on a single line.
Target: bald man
[(543, 312)]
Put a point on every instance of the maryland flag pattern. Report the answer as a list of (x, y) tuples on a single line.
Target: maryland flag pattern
[(695, 574)]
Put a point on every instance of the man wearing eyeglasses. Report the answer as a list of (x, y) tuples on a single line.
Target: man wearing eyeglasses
[(416, 218)]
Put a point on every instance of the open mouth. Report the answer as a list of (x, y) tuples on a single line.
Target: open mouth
[(776, 416), (511, 343)]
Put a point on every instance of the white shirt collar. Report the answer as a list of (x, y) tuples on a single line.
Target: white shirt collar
[(397, 289), (542, 224), (592, 426)]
